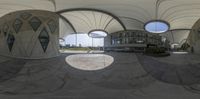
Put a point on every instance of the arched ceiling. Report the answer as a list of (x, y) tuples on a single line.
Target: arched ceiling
[(85, 20), (180, 14)]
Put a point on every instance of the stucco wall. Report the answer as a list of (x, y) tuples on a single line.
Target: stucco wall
[(31, 34)]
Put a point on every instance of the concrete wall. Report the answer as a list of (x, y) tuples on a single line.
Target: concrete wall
[(30, 34), (194, 38)]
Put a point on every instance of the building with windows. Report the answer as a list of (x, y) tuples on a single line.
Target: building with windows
[(132, 40)]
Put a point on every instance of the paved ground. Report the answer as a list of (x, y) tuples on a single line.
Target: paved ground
[(130, 76), (176, 69)]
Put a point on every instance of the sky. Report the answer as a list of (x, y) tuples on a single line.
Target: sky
[(83, 39), (157, 27)]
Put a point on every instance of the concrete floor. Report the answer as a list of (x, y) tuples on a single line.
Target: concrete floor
[(130, 76)]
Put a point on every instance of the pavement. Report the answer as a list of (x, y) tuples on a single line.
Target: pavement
[(127, 76)]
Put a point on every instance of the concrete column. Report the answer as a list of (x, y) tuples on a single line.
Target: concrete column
[(30, 34), (194, 38)]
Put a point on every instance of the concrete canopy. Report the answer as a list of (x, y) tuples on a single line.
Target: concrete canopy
[(180, 14), (85, 20)]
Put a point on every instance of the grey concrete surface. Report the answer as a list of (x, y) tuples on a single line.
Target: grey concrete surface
[(177, 69), (125, 78)]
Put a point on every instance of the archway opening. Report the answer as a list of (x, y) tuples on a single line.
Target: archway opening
[(81, 43)]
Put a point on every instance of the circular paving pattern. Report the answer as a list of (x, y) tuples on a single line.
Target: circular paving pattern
[(89, 61)]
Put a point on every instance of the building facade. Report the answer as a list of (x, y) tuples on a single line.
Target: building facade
[(132, 40)]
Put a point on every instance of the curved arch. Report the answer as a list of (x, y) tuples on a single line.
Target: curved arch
[(132, 23), (83, 21), (172, 33), (132, 19), (91, 9), (108, 23), (66, 20)]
